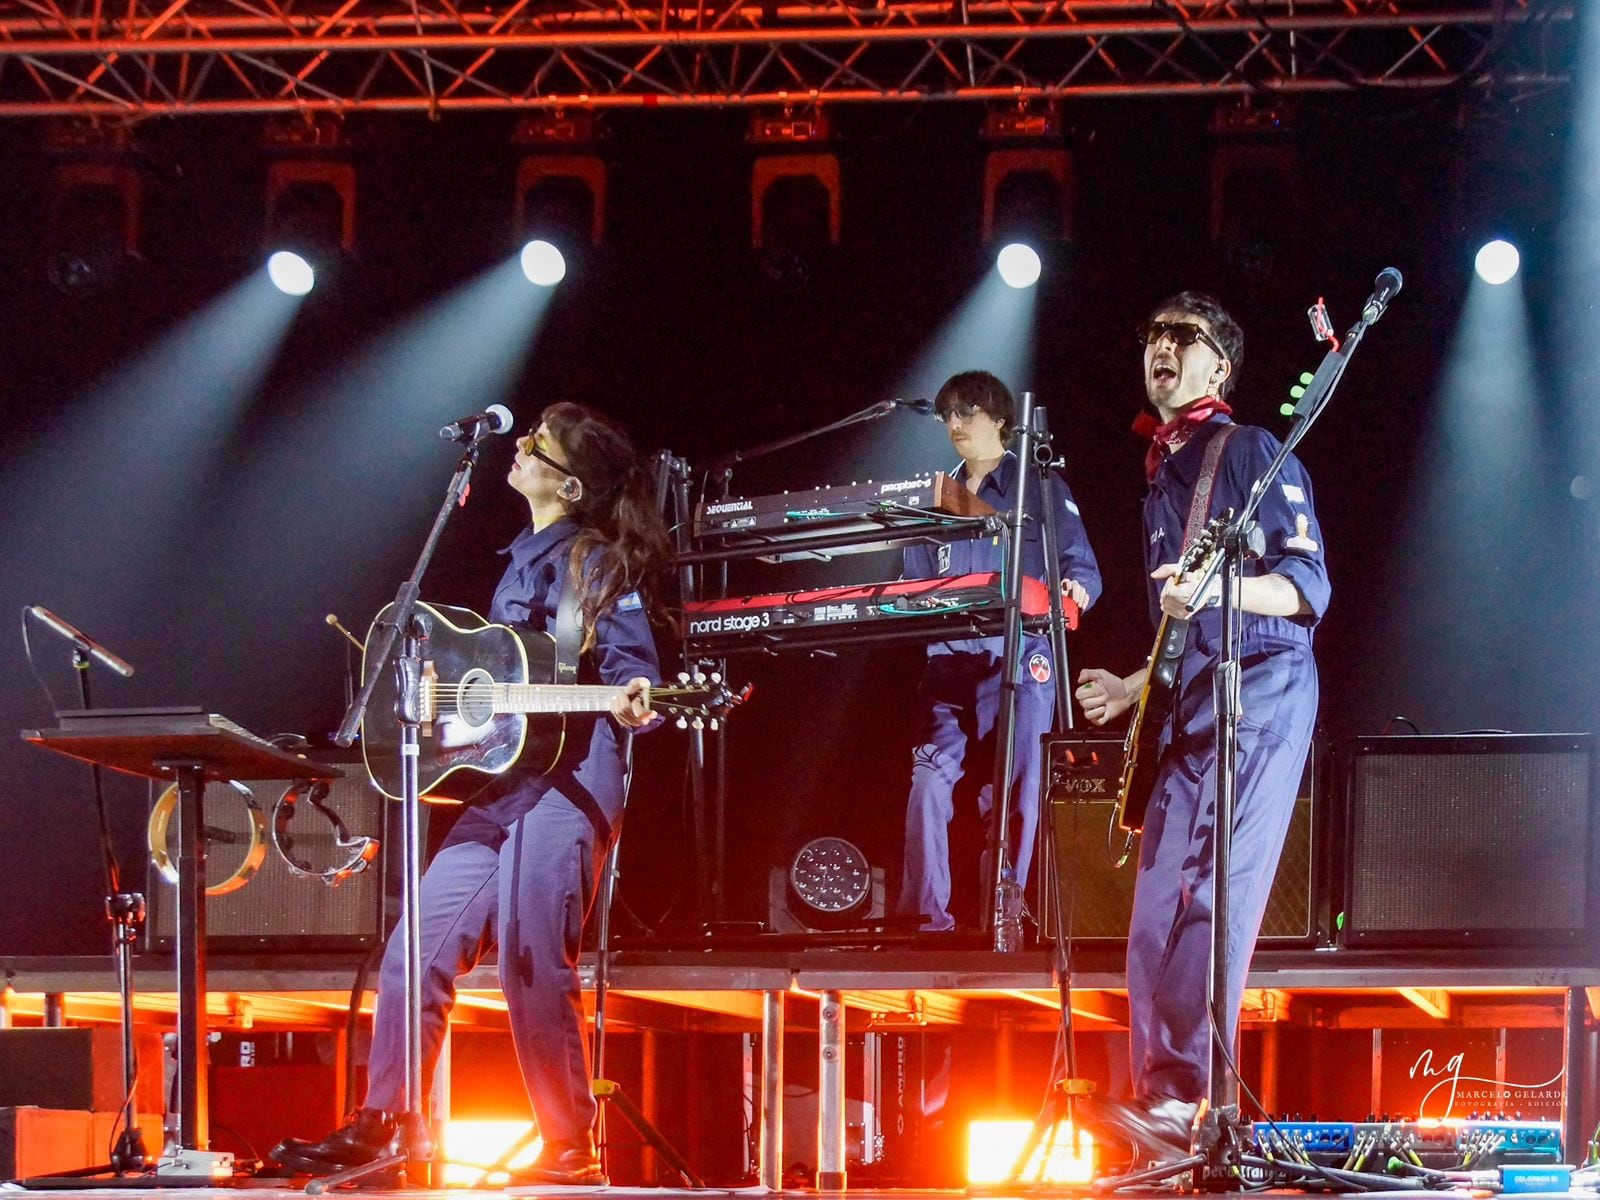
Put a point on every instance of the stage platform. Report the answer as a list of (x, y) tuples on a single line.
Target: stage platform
[(817, 993), (716, 989)]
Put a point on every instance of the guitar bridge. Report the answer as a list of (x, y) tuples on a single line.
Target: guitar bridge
[(427, 702)]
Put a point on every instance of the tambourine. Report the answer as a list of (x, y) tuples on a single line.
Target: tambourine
[(362, 850), (255, 836)]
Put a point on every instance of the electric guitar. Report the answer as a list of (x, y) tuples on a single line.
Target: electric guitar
[(1139, 749), (492, 697)]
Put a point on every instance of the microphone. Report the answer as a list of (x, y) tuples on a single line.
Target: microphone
[(496, 418), (81, 640), (920, 405), (1385, 289), (333, 620)]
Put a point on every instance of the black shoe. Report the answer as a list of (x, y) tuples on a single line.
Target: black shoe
[(1161, 1126), (359, 1140), (573, 1162)]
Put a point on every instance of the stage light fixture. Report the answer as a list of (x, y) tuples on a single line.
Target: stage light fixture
[(562, 185), (1029, 182), (543, 263), (290, 274), (96, 194), (1497, 262), (795, 194), (310, 190), (1255, 186), (1019, 265), (831, 877), (467, 1143), (1063, 1155)]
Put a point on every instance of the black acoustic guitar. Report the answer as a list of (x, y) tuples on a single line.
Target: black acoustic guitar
[(493, 697), (1155, 698)]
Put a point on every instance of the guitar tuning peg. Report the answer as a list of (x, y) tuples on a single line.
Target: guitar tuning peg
[(699, 679), (715, 724), (683, 677), (697, 723), (716, 677), (682, 723)]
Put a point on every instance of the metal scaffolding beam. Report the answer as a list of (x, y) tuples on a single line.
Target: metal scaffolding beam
[(136, 58)]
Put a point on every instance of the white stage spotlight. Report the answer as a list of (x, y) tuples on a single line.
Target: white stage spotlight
[(542, 264), (1019, 265), (290, 273), (1497, 261)]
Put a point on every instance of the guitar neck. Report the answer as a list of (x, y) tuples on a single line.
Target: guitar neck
[(554, 697)]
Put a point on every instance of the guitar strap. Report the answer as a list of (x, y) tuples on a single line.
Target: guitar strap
[(1200, 513), (1200, 502), (568, 631)]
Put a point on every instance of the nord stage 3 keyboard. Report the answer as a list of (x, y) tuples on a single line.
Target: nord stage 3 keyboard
[(927, 610)]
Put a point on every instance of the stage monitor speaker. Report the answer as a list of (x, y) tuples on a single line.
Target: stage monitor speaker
[(1468, 840), (1081, 776), (274, 909)]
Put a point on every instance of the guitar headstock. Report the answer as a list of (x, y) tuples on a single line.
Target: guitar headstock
[(700, 699), (1209, 541)]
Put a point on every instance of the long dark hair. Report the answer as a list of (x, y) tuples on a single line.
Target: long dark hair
[(622, 543)]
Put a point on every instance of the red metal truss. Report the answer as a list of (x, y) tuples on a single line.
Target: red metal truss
[(137, 58)]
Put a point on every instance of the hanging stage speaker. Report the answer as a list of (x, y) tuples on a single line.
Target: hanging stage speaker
[(1080, 780), (1469, 840), (257, 902)]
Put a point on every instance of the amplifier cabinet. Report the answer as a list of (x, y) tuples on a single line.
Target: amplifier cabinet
[(275, 909), (1483, 839), (1080, 782)]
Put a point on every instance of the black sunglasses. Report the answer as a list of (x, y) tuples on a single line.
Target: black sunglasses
[(1183, 333), (964, 412)]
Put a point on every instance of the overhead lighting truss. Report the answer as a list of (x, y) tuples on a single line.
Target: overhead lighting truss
[(138, 58)]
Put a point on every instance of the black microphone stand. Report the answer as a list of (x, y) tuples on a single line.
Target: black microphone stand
[(126, 912), (1005, 728), (1219, 1147), (1065, 1088), (412, 1144)]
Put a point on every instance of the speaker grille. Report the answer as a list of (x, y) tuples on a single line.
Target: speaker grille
[(1457, 840), (277, 909), (1099, 895)]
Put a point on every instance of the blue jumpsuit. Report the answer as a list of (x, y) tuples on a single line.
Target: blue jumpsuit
[(1169, 942), (520, 871), (960, 697)]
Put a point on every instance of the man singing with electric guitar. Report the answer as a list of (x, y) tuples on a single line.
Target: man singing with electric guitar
[(521, 867), (1200, 464)]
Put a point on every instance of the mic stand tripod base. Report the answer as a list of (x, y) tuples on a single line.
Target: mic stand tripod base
[(413, 1146)]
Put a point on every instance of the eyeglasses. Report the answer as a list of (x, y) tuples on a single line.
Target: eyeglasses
[(1183, 333), (528, 443), (962, 412)]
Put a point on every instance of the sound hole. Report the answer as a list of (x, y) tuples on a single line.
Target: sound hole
[(476, 699)]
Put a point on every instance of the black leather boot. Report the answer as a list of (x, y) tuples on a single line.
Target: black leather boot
[(359, 1140), (570, 1161)]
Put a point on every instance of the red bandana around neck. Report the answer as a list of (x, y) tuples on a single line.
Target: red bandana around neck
[(1168, 437)]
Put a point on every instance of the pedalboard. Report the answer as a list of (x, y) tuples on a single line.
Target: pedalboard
[(1470, 1143)]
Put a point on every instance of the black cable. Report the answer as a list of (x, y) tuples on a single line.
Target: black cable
[(1393, 721), (27, 653), (352, 1022)]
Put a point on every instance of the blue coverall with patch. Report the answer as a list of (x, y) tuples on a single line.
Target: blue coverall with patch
[(521, 870), (1169, 942), (960, 697)]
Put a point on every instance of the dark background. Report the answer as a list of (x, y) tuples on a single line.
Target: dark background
[(206, 546)]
